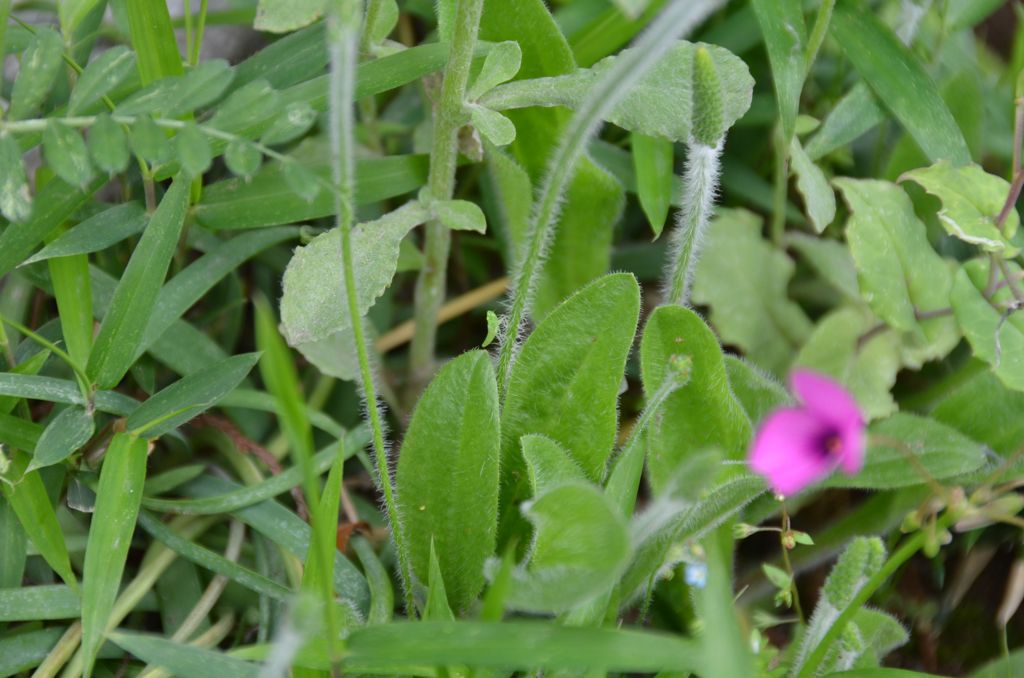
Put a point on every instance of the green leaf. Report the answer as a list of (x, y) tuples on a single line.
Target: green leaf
[(447, 479), (707, 100), (22, 651), (185, 399), (579, 550), (900, 274), (154, 98), (149, 141), (831, 260), (67, 154), (900, 82), (581, 250), (437, 608), (757, 391), (785, 36), (200, 86), (853, 115), (519, 645), (40, 66), (385, 21), (100, 77), (985, 410), (653, 164), (72, 13), (32, 505), (130, 309), (548, 464), (248, 107), (874, 634), (242, 158), (1002, 667), (313, 306), (500, 65), (938, 449), (184, 660), (971, 201), (192, 150), (494, 126), (63, 436), (15, 199), (296, 119), (382, 594), (284, 16), (743, 279), (96, 233), (702, 414), (110, 534), (301, 181), (661, 103), (30, 603), (779, 578), (565, 381), (459, 215), (819, 200), (861, 559), (994, 331), (841, 347), (108, 145)]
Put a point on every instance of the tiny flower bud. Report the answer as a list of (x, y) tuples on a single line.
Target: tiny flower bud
[(707, 99), (788, 541), (742, 530)]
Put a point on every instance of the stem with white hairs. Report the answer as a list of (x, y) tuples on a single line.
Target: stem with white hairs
[(343, 39), (678, 18)]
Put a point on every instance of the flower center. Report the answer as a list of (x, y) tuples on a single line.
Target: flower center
[(831, 445)]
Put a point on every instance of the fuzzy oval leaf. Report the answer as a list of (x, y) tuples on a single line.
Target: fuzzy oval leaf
[(242, 159), (565, 381), (757, 391), (704, 413), (971, 200), (155, 97), (190, 396), (548, 464), (40, 65), (995, 335), (743, 279), (66, 153), (447, 477), (149, 141), (201, 86), (500, 65), (102, 75), (661, 103), (942, 451), (459, 215), (984, 409), (247, 107), (68, 431), (494, 126), (193, 150), (283, 16), (580, 548), (15, 199), (294, 121), (313, 306)]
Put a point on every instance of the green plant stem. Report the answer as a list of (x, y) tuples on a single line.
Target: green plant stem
[(818, 32), (781, 182), (343, 43), (701, 185), (909, 547), (448, 119), (676, 19)]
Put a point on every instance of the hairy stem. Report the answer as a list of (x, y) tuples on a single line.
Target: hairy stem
[(448, 118), (343, 45), (700, 187), (678, 17)]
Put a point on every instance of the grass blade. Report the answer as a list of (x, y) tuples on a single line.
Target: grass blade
[(117, 505)]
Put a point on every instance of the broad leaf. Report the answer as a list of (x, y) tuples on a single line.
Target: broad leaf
[(102, 75), (831, 260), (743, 279), (108, 145), (500, 65), (971, 202), (39, 68), (937, 449), (985, 410), (548, 464), (992, 326), (704, 413), (661, 104), (757, 391), (67, 154), (447, 477)]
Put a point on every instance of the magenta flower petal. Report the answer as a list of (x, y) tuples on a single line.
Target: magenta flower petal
[(831, 402), (789, 449)]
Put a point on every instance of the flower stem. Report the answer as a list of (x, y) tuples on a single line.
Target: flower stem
[(448, 118), (701, 185), (343, 45), (909, 547), (676, 19)]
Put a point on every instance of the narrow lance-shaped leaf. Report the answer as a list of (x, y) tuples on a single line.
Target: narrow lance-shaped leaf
[(102, 75), (447, 477), (68, 431), (132, 304), (653, 164), (785, 35), (110, 534)]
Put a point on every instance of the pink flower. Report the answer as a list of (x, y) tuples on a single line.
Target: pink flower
[(797, 446)]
